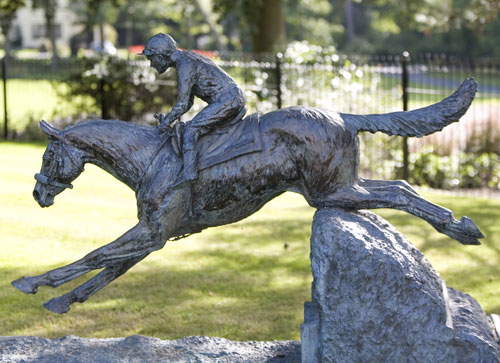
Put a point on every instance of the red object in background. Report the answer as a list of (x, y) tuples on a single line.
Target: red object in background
[(137, 49)]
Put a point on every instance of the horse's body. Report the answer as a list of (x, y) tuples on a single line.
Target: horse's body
[(306, 150)]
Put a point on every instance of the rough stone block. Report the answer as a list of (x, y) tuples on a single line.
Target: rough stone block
[(309, 333), (380, 300)]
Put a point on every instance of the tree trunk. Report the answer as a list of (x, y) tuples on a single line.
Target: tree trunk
[(188, 11), (100, 21), (51, 32), (269, 33), (349, 20), (101, 36), (129, 32), (5, 31)]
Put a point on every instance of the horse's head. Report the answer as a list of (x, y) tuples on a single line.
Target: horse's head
[(62, 163)]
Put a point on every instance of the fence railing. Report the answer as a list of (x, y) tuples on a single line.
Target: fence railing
[(465, 154)]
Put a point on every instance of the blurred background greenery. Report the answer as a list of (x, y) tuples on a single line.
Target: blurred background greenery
[(467, 27)]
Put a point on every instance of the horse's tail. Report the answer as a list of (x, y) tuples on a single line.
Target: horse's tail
[(420, 122)]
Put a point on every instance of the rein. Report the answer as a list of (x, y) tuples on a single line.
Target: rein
[(173, 136)]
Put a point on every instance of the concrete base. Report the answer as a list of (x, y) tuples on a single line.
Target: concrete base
[(138, 349)]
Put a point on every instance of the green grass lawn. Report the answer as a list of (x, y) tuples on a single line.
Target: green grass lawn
[(236, 281), (33, 100)]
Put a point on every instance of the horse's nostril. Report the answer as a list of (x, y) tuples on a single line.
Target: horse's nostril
[(36, 195)]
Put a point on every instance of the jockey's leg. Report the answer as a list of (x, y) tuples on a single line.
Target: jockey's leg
[(189, 154), (208, 118)]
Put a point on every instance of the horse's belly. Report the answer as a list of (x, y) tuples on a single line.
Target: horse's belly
[(235, 190)]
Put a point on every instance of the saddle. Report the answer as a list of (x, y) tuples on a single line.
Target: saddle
[(229, 141)]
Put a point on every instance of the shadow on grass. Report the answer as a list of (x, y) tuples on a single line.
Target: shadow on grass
[(243, 286), (485, 216), (250, 303), (254, 233)]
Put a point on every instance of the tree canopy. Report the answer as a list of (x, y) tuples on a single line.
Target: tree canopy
[(8, 9), (374, 26)]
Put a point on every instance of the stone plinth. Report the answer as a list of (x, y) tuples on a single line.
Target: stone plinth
[(378, 299), (139, 349)]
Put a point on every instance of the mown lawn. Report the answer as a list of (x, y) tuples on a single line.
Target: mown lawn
[(33, 100), (237, 281)]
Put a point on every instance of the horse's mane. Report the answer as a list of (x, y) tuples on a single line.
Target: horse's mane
[(115, 140), (99, 129)]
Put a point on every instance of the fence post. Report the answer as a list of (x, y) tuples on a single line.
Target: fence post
[(404, 80), (279, 56), (5, 118), (104, 104)]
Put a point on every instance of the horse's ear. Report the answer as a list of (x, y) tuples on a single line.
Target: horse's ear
[(49, 130)]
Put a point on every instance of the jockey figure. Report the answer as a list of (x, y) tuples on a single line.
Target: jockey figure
[(197, 76)]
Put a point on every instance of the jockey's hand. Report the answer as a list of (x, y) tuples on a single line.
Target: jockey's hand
[(160, 117), (164, 127)]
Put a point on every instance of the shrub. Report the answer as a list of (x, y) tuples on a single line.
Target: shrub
[(118, 88), (465, 170)]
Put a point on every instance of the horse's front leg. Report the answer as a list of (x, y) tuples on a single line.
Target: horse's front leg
[(150, 234), (135, 243), (63, 303)]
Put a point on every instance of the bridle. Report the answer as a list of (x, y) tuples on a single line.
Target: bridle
[(46, 180)]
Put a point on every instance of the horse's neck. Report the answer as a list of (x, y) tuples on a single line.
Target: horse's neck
[(122, 149)]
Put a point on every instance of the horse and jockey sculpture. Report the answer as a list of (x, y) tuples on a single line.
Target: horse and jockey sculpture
[(237, 165)]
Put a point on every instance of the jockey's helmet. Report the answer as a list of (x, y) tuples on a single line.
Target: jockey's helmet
[(160, 44)]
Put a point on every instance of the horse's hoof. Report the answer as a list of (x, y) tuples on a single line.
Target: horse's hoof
[(464, 231), (23, 284), (471, 228), (466, 240), (57, 305)]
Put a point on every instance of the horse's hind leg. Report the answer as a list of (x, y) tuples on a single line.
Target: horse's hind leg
[(137, 242), (63, 303), (372, 194), (372, 183)]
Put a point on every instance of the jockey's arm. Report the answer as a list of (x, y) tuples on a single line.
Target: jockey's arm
[(185, 97)]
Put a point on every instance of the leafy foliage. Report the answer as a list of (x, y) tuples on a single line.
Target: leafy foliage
[(8, 9), (465, 170), (457, 26), (302, 21), (122, 89)]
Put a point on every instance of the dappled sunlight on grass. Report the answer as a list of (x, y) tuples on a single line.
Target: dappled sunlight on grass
[(243, 281), (471, 269)]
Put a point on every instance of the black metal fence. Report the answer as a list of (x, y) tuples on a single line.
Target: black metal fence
[(464, 155)]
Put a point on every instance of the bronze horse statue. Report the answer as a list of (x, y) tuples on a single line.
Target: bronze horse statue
[(310, 151)]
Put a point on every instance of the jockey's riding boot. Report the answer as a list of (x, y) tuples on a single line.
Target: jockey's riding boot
[(190, 171), (189, 154)]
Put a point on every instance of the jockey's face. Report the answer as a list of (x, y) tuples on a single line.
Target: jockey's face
[(160, 62)]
